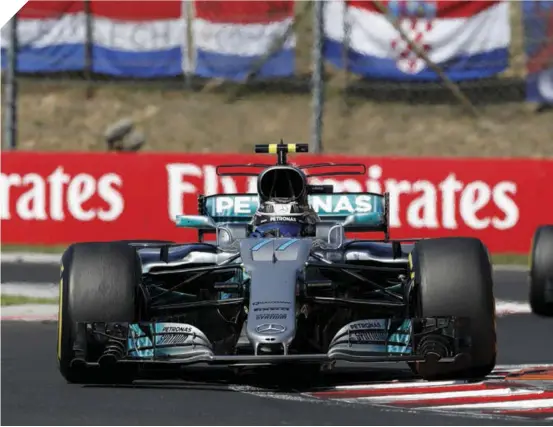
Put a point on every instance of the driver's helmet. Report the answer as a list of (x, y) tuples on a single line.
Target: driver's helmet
[(283, 208)]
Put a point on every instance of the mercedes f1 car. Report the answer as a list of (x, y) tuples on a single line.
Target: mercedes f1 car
[(541, 271), (249, 298)]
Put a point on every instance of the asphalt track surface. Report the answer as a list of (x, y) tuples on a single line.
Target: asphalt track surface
[(34, 393)]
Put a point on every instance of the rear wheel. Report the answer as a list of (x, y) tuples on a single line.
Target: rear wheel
[(99, 283), (541, 271), (453, 277)]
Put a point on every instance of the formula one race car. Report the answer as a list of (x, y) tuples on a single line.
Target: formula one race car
[(541, 271), (279, 286)]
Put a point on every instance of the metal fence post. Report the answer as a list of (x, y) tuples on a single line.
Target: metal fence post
[(10, 103), (88, 48), (317, 83)]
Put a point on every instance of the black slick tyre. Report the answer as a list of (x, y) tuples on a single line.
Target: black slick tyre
[(453, 277), (99, 283), (541, 272)]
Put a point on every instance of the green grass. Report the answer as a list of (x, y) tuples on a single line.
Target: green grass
[(510, 259), (48, 249), (19, 300)]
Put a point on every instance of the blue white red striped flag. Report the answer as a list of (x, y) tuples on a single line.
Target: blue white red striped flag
[(132, 39), (230, 37)]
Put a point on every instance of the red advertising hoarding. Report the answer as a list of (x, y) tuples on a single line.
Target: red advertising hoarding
[(59, 198)]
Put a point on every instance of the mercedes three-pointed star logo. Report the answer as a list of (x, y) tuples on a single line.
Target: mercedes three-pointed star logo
[(270, 329)]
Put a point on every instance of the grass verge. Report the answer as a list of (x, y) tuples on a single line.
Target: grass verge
[(7, 300), (498, 259), (510, 259), (43, 249)]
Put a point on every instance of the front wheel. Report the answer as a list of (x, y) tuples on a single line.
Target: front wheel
[(99, 283), (453, 277)]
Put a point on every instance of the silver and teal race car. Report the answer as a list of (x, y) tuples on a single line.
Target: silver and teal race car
[(280, 284)]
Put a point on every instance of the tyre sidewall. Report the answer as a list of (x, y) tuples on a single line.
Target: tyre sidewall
[(66, 327)]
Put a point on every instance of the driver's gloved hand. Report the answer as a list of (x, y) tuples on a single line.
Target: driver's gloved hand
[(309, 230), (269, 233)]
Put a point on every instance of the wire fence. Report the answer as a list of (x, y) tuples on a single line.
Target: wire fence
[(88, 98)]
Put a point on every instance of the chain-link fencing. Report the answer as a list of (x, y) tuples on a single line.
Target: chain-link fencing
[(302, 75)]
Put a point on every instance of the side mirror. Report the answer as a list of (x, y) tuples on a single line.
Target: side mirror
[(195, 221)]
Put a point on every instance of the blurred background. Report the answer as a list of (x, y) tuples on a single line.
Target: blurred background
[(415, 78)]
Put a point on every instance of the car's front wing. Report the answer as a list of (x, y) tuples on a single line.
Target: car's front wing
[(372, 340)]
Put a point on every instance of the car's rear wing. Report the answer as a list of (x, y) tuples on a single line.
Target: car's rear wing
[(362, 212)]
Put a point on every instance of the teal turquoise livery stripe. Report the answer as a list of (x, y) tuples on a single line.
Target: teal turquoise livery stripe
[(286, 245), (261, 244), (282, 247)]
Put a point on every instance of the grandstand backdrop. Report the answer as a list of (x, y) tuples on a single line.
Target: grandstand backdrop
[(243, 40)]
